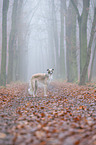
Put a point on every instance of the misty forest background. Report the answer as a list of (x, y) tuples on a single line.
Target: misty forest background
[(40, 34)]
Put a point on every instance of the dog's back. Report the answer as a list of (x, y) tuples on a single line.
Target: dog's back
[(40, 77)]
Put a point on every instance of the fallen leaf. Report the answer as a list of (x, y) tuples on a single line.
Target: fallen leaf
[(40, 134), (2, 135)]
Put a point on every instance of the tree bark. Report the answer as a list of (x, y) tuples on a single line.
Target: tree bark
[(84, 71), (83, 35), (50, 28), (91, 69), (71, 44), (12, 42), (62, 56), (84, 50), (55, 35), (4, 41), (20, 60)]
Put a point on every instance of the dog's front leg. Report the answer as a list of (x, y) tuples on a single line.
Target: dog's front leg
[(45, 90), (30, 89)]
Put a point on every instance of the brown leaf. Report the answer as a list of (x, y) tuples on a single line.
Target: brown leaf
[(2, 135), (40, 134), (42, 114)]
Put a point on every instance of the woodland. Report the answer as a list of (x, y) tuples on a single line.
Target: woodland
[(36, 35)]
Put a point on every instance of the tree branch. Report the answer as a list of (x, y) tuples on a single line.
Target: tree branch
[(76, 9)]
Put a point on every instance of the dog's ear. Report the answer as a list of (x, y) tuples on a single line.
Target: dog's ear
[(47, 69)]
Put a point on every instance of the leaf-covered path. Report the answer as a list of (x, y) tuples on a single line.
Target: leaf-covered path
[(67, 116)]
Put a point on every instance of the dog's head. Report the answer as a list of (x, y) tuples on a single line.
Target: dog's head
[(50, 71)]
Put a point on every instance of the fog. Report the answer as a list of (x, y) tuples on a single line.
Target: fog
[(38, 54), (42, 34)]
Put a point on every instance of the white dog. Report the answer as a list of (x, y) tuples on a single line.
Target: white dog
[(40, 78)]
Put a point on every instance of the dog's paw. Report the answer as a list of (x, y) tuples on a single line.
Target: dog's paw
[(33, 96), (45, 95), (29, 92)]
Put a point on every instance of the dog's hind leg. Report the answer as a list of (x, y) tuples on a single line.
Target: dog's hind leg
[(33, 87), (36, 87)]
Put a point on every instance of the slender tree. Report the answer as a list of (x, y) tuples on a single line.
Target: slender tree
[(91, 69), (85, 51), (55, 35), (17, 50), (50, 28), (12, 41), (82, 21), (21, 67), (62, 55), (4, 41), (71, 44), (85, 69)]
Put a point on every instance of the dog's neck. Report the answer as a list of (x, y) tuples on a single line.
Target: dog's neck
[(50, 77)]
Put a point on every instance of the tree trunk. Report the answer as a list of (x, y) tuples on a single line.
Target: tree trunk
[(50, 27), (83, 34), (12, 42), (4, 41), (62, 56), (84, 71), (20, 63), (71, 44), (55, 33), (84, 50), (94, 53)]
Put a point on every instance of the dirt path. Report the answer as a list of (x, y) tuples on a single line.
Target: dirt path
[(67, 116)]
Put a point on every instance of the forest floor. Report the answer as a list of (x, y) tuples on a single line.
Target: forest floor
[(67, 116)]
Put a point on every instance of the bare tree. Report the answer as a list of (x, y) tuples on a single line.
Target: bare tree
[(71, 44), (4, 41), (91, 69), (84, 71), (12, 41), (56, 41), (85, 51), (62, 54)]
